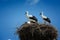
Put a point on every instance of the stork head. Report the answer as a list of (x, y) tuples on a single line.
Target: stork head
[(26, 12), (41, 13)]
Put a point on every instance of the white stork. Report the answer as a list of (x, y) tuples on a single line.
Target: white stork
[(46, 19), (31, 18)]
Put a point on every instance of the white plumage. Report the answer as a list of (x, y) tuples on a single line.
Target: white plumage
[(45, 18), (31, 18), (27, 14)]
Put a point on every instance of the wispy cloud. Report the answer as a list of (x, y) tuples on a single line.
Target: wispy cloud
[(9, 39), (32, 2)]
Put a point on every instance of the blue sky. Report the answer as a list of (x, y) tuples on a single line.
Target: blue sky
[(12, 14)]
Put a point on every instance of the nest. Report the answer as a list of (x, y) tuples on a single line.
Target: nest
[(35, 31)]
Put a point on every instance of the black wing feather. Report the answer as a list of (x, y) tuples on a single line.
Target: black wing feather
[(34, 18), (47, 19)]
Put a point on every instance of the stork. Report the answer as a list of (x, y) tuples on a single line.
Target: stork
[(31, 18), (45, 18)]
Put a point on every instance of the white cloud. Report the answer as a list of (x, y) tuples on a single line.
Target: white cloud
[(9, 39), (32, 2)]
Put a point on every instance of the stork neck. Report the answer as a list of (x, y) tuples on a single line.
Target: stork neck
[(27, 14), (42, 14)]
